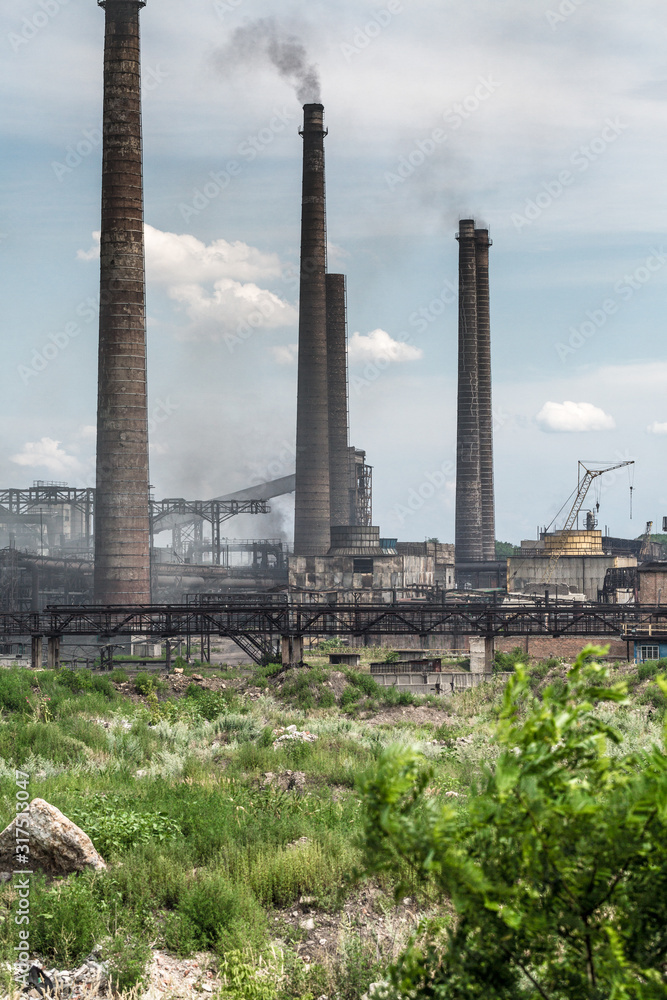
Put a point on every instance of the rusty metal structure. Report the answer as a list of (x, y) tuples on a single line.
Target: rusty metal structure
[(312, 517), (475, 511), (258, 622), (122, 536), (337, 397)]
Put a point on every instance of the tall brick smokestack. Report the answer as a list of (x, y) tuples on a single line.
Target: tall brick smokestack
[(122, 527), (482, 244), (468, 482), (339, 452), (312, 510)]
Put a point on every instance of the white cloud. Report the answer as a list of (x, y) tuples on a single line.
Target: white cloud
[(94, 252), (569, 417), (182, 259), (378, 344), (285, 354), (214, 283), (47, 454), (657, 428)]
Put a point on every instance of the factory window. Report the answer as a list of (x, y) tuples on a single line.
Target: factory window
[(363, 566), (649, 653)]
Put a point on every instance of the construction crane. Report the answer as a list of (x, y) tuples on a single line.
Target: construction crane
[(582, 490), (646, 542)]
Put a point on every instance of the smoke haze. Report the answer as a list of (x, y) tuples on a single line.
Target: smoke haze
[(264, 40)]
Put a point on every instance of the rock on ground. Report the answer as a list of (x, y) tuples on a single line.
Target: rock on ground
[(56, 845)]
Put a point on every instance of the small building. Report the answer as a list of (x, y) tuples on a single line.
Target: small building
[(650, 649), (580, 567), (653, 583), (359, 561)]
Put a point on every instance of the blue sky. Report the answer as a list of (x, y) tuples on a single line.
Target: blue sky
[(542, 118)]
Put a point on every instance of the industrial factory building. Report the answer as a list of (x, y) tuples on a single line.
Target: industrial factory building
[(64, 545)]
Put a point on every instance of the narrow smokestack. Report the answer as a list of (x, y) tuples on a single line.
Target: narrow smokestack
[(482, 244), (339, 452), (312, 510), (122, 529), (468, 484)]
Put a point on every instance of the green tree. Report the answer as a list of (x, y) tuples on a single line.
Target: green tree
[(505, 549), (556, 870)]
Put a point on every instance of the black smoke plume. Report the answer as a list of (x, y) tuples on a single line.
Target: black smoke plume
[(264, 40)]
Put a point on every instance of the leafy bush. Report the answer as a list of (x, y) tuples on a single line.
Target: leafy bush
[(145, 683), (556, 870), (114, 828), (210, 705), (119, 676), (506, 662), (75, 680), (392, 656)]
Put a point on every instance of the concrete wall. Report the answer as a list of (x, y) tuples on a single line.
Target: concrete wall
[(438, 683), (580, 574), (337, 573)]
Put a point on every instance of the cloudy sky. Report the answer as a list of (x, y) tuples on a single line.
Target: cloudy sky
[(543, 119)]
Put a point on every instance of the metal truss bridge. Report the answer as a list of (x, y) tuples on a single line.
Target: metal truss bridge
[(257, 623)]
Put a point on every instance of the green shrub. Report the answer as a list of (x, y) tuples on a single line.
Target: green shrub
[(210, 705), (102, 685), (327, 699), (220, 914), (391, 657), (128, 957), (65, 919), (75, 680), (649, 668), (113, 827), (506, 662), (119, 676), (656, 698), (145, 683), (15, 690), (350, 696), (364, 682)]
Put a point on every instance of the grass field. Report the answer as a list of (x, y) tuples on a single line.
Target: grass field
[(221, 840)]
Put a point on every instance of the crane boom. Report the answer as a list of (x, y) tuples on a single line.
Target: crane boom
[(582, 490)]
